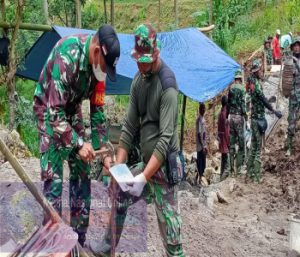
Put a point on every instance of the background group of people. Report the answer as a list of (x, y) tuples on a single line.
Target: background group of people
[(243, 110)]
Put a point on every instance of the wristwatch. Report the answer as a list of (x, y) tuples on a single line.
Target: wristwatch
[(80, 143)]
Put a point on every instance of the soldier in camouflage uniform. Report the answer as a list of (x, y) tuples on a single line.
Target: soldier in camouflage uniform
[(237, 112), (294, 99), (75, 70), (258, 105), (268, 55), (153, 111)]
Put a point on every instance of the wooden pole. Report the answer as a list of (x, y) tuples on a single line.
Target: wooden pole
[(78, 13), (47, 207), (105, 11), (28, 182), (46, 11), (182, 122), (159, 5), (26, 26), (112, 12), (176, 13)]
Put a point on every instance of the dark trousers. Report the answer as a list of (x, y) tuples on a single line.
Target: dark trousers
[(201, 162), (224, 162)]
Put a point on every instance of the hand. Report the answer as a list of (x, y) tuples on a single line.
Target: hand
[(86, 152), (246, 117), (137, 184), (205, 150), (107, 161), (278, 114)]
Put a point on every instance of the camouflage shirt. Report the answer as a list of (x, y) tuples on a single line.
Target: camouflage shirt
[(66, 79), (296, 73), (258, 101), (269, 56), (236, 100)]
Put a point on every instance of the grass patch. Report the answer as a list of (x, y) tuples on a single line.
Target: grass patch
[(25, 122)]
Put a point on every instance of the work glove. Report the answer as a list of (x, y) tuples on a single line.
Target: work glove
[(137, 184), (278, 114)]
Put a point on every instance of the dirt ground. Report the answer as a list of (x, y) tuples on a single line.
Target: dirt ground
[(254, 223)]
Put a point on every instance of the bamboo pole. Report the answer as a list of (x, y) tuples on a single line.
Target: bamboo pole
[(207, 29), (26, 26), (28, 182), (47, 207)]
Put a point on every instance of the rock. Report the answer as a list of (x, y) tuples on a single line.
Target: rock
[(15, 136), (211, 200), (281, 232), (232, 185), (221, 198)]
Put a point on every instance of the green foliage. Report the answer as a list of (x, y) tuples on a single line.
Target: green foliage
[(226, 14), (201, 18), (92, 17)]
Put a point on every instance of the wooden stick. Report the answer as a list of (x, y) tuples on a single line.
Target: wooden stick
[(47, 207)]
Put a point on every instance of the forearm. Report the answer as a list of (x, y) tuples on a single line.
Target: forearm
[(152, 167), (121, 155)]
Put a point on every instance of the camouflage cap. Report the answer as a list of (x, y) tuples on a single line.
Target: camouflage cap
[(147, 46), (296, 40), (238, 74), (256, 65)]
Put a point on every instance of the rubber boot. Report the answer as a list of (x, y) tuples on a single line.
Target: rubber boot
[(81, 238), (289, 146)]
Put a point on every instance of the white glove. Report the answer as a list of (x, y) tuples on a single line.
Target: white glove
[(137, 184)]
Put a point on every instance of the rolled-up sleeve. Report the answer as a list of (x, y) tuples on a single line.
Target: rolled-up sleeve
[(167, 122)]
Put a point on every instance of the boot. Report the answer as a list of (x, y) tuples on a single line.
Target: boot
[(81, 238), (289, 146)]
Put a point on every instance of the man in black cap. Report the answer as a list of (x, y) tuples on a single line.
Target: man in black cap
[(75, 70)]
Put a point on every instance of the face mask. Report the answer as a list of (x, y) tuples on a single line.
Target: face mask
[(99, 74)]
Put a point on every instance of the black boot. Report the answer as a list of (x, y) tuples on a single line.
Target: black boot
[(81, 237)]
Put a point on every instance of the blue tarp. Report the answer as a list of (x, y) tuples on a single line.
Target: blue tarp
[(202, 69)]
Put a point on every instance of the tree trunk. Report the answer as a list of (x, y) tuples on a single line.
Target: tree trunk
[(159, 2), (112, 12), (3, 18), (11, 82), (78, 13), (176, 13), (105, 11), (46, 12)]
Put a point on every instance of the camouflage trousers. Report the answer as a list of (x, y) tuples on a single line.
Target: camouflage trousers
[(80, 185), (254, 162), (236, 137), (165, 199), (294, 113)]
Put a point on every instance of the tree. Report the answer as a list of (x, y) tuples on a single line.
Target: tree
[(78, 13), (112, 12), (12, 64), (176, 12), (105, 11), (65, 11), (159, 2), (46, 12)]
